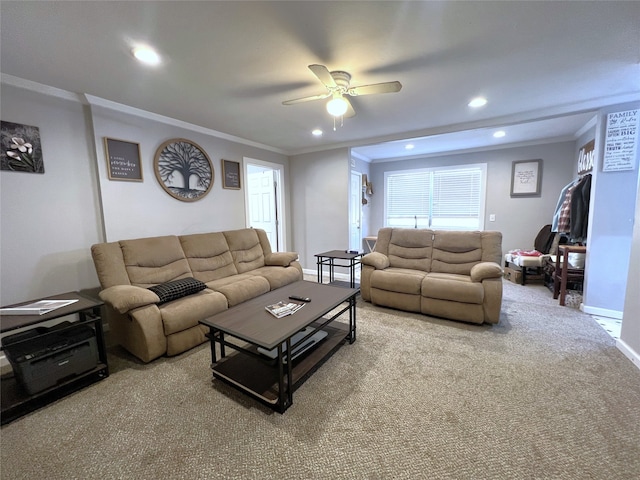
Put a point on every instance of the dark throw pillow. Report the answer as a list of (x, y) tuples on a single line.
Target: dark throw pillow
[(177, 289)]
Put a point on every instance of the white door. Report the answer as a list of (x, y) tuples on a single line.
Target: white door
[(355, 212), (261, 201)]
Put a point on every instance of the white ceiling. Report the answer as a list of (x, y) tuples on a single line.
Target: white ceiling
[(229, 65)]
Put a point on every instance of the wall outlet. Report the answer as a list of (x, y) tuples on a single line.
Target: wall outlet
[(492, 217)]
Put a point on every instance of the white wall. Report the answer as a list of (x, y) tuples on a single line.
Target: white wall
[(611, 218), (519, 219), (629, 341), (320, 203), (134, 209), (48, 221)]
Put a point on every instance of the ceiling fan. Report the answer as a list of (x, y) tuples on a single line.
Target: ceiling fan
[(338, 88)]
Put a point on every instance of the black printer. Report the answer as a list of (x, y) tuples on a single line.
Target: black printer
[(45, 356)]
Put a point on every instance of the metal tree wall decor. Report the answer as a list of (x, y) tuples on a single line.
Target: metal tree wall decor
[(183, 169)]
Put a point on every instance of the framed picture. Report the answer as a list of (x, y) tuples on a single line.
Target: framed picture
[(123, 160), (183, 169), (230, 174), (21, 150), (526, 178)]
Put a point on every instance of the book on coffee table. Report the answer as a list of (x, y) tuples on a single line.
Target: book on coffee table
[(282, 309)]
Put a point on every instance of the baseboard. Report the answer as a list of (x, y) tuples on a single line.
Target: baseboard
[(601, 312), (337, 276), (629, 352)]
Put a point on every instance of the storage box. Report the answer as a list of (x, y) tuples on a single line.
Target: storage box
[(512, 275)]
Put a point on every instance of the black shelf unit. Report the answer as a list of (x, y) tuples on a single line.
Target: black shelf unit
[(15, 400)]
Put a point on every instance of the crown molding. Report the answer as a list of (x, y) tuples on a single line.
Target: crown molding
[(92, 100)]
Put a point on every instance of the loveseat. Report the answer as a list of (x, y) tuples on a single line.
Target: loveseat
[(157, 289), (450, 274)]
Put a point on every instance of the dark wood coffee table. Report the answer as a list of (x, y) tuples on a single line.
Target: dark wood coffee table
[(248, 326)]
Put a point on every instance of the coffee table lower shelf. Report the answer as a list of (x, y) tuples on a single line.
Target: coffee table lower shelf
[(260, 378)]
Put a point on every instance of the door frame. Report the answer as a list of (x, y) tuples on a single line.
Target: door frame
[(358, 206), (281, 207)]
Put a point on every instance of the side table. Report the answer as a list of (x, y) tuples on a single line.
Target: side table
[(351, 261), (15, 400), (562, 272)]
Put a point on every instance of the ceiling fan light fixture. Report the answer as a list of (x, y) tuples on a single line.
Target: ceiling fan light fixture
[(337, 106)]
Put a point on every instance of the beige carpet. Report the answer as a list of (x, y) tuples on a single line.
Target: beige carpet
[(544, 394)]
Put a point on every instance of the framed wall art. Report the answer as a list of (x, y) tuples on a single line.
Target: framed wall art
[(123, 160), (20, 148), (526, 178), (231, 174), (183, 169)]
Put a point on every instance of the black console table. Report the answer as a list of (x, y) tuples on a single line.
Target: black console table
[(16, 401), (346, 260)]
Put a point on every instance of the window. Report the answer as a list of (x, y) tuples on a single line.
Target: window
[(445, 198)]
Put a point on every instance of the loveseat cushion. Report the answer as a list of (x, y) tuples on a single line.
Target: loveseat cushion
[(485, 270), (376, 260), (456, 251), (175, 289), (449, 286), (401, 280)]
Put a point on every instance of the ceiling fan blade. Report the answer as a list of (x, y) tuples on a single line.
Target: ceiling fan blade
[(306, 99), (350, 111), (323, 74), (386, 87)]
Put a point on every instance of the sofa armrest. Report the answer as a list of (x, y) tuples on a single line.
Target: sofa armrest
[(376, 260), (280, 259), (127, 297), (484, 270)]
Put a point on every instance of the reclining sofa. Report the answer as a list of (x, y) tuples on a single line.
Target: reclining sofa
[(157, 289), (450, 274)]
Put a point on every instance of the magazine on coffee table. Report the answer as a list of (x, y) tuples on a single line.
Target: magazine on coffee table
[(36, 308), (282, 309)]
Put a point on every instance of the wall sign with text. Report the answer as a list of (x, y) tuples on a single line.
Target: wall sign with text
[(123, 160), (230, 174), (620, 141)]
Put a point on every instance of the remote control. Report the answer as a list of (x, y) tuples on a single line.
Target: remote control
[(302, 299)]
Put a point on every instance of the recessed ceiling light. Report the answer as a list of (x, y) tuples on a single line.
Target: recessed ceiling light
[(146, 55), (317, 132), (499, 134), (409, 146), (478, 102)]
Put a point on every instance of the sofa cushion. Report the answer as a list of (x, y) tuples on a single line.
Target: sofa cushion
[(240, 288), (186, 312), (150, 261), (246, 249), (281, 259), (401, 280), (175, 289), (278, 276), (127, 297), (448, 286), (208, 255)]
